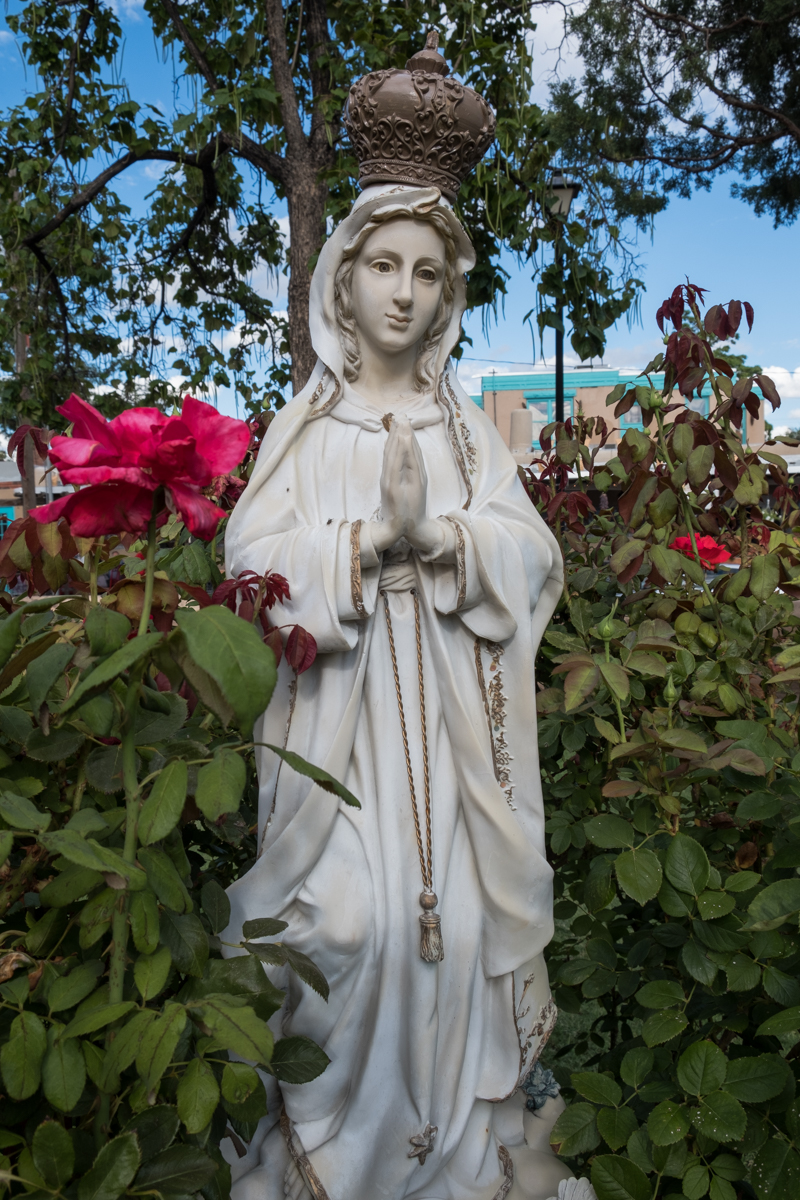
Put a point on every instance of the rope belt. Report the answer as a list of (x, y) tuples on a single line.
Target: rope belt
[(431, 947)]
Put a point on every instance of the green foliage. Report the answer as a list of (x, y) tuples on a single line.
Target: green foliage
[(259, 92), (672, 793), (118, 1016)]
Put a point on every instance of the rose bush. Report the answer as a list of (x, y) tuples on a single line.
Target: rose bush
[(668, 726), (128, 800)]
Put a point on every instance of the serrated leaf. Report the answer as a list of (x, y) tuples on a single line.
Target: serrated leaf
[(609, 832), (178, 1171), (263, 927), (776, 1171), (756, 1079), (198, 1096), (617, 1178), (599, 1089), (661, 993), (150, 972), (639, 874), (775, 905), (69, 990), (63, 1072), (113, 1169), (97, 1018), (663, 1027), (668, 1123), (784, 1022), (162, 809), (109, 670), (186, 940), (21, 1056), (158, 1045), (237, 1029), (701, 1068), (686, 865), (721, 1117), (575, 1131), (220, 784), (53, 1154), (322, 778), (216, 905)]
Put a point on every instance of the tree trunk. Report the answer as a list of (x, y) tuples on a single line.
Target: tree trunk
[(307, 198), (29, 459)]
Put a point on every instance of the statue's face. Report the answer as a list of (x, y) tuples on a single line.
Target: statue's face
[(397, 284)]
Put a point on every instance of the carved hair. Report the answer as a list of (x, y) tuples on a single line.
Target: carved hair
[(343, 299)]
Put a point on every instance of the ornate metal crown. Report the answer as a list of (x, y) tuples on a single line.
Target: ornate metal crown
[(418, 126)]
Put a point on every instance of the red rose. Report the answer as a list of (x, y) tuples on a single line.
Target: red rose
[(709, 551), (127, 459)]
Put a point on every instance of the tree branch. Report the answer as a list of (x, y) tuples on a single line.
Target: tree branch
[(281, 69), (192, 49), (81, 199), (83, 25), (51, 279)]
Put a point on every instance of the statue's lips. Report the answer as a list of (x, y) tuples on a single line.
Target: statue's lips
[(399, 320)]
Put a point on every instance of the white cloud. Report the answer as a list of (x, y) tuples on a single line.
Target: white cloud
[(6, 36), (787, 382)]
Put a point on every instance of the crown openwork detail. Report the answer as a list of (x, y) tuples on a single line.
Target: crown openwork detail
[(418, 126)]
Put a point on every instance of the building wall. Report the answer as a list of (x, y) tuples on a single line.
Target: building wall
[(585, 391)]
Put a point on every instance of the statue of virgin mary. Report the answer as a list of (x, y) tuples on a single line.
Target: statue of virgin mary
[(416, 559)]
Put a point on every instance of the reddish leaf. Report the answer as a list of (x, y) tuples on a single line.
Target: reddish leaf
[(273, 640), (734, 316), (748, 310), (301, 649), (621, 787), (768, 389), (631, 570), (197, 593)]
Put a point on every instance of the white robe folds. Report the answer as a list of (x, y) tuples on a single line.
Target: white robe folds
[(413, 1045)]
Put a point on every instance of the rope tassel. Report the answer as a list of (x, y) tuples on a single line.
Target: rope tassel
[(431, 946)]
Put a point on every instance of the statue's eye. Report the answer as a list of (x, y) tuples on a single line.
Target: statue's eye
[(384, 267), (427, 275)]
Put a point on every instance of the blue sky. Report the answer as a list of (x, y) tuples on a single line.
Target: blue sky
[(715, 240)]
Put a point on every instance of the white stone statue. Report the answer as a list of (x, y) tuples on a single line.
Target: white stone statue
[(416, 559)]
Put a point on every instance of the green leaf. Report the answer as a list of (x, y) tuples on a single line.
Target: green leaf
[(126, 1045), (150, 972), (53, 1154), (668, 1123), (580, 683), (69, 990), (784, 1022), (179, 1171), (663, 1027), (106, 630), (43, 672), (712, 905), (115, 1166), (239, 1081), (616, 679), (742, 972), (229, 652), (186, 940), (695, 1181), (699, 464), (600, 1089), (575, 1131), (683, 739), (71, 884), (163, 878), (754, 1080), (6, 846), (686, 865), (21, 1056), (97, 1018), (143, 915), (781, 987), (765, 575), (216, 905), (636, 1066), (63, 1073), (661, 993), (162, 809), (616, 1125), (263, 927), (673, 902), (237, 1029), (220, 784), (639, 874), (616, 1178), (609, 832), (158, 1045), (320, 777), (721, 1117), (198, 1096), (109, 670), (21, 814), (775, 905), (156, 1128), (776, 1171), (9, 634), (696, 963), (701, 1069)]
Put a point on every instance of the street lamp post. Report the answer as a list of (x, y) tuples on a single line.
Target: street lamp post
[(560, 195)]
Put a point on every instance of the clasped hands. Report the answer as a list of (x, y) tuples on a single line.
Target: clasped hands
[(404, 493)]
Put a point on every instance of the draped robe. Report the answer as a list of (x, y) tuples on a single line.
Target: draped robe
[(413, 1046)]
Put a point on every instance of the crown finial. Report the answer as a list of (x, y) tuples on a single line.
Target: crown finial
[(419, 126), (429, 59)]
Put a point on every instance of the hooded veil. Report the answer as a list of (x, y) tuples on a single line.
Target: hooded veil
[(418, 1102)]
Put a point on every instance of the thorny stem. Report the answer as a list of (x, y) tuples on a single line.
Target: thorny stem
[(149, 578)]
